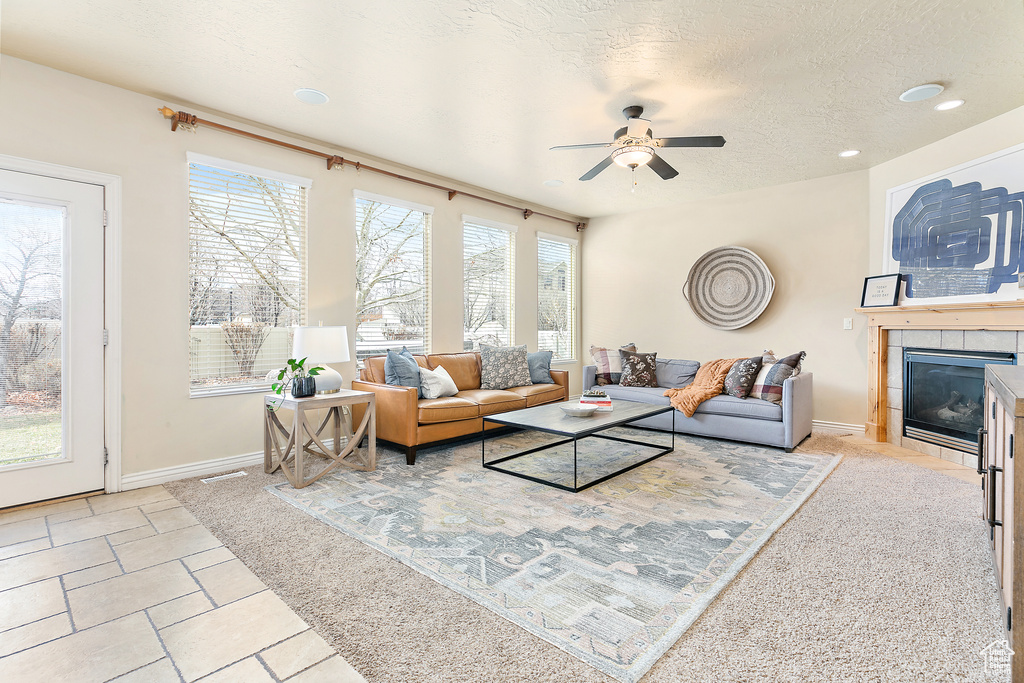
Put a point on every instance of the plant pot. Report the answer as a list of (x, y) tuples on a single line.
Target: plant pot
[(303, 386)]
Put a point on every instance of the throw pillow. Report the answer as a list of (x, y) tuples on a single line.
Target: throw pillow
[(638, 369), (437, 383), (401, 369), (502, 367), (676, 374), (740, 379), (540, 367), (609, 365), (768, 385)]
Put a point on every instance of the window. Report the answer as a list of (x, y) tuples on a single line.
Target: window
[(247, 273), (556, 295), (392, 278), (488, 251)]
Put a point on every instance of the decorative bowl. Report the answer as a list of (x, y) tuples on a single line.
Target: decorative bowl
[(577, 410)]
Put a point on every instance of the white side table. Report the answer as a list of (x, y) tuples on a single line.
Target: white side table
[(303, 439)]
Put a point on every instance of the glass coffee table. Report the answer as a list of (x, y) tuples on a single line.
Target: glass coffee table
[(594, 449)]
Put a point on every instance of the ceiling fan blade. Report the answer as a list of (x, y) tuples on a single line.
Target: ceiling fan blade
[(698, 141), (589, 175), (661, 167), (638, 128), (587, 146)]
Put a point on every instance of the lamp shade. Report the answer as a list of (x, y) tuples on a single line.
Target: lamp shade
[(633, 155), (321, 344)]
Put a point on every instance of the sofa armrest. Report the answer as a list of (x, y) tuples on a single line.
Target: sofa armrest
[(797, 407), (561, 378), (397, 411), (589, 376)]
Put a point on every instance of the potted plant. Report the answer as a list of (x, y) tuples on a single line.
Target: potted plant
[(301, 380)]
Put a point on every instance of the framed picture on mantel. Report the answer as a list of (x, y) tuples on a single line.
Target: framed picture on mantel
[(880, 290)]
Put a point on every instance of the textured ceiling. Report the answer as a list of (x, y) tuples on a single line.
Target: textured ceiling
[(478, 91)]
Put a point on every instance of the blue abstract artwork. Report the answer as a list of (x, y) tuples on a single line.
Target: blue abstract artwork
[(958, 240)]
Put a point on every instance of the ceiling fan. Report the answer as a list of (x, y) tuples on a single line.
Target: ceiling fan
[(634, 146)]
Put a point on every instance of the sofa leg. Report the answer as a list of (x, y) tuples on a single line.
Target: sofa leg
[(410, 455)]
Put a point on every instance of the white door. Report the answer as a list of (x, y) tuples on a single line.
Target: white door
[(51, 338)]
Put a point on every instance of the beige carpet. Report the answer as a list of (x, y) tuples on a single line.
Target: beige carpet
[(883, 575)]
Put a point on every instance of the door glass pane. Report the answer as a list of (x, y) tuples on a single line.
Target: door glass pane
[(30, 332)]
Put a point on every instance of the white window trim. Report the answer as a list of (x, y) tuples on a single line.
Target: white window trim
[(559, 238), (487, 223), (224, 164), (393, 201)]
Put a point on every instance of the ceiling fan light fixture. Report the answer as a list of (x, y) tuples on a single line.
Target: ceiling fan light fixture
[(631, 156)]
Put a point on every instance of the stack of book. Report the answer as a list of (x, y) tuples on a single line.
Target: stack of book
[(603, 403)]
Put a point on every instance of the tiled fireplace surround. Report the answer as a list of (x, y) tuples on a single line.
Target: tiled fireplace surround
[(954, 340), (995, 326)]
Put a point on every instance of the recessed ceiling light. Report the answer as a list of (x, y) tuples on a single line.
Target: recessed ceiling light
[(553, 183), (948, 104), (311, 96), (921, 92), (849, 153)]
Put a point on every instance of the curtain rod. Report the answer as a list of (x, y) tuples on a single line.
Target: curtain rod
[(183, 118)]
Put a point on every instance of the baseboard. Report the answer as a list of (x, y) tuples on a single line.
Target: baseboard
[(194, 469), (825, 426)]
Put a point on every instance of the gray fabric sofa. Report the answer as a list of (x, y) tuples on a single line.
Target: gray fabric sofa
[(726, 417)]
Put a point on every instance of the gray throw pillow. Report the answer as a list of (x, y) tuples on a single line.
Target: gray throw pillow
[(502, 367), (540, 367), (638, 369), (676, 374), (401, 369)]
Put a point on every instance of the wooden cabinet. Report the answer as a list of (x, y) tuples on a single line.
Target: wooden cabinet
[(1003, 487)]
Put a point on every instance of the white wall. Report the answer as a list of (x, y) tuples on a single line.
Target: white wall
[(811, 236), (51, 116)]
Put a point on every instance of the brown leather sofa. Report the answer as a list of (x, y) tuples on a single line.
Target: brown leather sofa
[(409, 422)]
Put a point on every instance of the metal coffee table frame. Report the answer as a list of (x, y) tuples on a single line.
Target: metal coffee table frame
[(549, 418)]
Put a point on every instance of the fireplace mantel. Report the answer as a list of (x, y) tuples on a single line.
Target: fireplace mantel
[(997, 315)]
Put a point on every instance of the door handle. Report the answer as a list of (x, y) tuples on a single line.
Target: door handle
[(991, 490), (981, 449)]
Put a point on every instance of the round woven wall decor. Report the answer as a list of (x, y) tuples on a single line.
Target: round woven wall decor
[(729, 287)]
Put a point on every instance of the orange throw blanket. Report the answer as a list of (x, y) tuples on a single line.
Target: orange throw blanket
[(708, 383)]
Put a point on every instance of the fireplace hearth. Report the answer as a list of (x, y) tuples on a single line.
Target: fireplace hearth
[(944, 395)]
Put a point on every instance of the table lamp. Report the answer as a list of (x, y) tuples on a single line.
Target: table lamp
[(320, 345)]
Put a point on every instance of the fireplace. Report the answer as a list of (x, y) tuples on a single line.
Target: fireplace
[(944, 395)]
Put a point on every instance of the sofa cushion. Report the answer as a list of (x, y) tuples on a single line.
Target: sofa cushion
[(741, 377), (773, 373), (437, 383), (502, 367), (654, 395), (535, 394), (719, 405), (464, 368), (491, 401), (609, 367), (676, 374), (401, 369), (741, 407), (446, 409), (638, 369), (373, 368), (540, 366)]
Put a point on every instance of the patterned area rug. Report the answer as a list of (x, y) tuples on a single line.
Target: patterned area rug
[(612, 575)]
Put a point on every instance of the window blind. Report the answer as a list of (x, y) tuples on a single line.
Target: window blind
[(392, 276), (488, 310), (247, 276), (556, 297)]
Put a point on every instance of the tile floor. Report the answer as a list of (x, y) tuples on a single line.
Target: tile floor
[(129, 587)]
